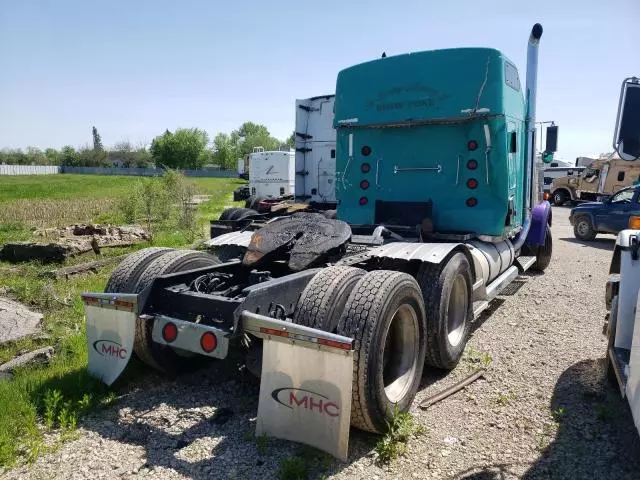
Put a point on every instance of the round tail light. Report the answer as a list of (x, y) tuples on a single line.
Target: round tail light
[(365, 168), (208, 342), (364, 200), (169, 332), (366, 150), (472, 164), (472, 183), (364, 184), (472, 202), (472, 145)]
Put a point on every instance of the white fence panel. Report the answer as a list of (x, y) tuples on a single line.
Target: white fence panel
[(28, 170)]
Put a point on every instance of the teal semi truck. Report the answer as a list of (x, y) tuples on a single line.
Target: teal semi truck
[(439, 209)]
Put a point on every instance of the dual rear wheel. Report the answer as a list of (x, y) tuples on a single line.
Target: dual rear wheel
[(398, 322)]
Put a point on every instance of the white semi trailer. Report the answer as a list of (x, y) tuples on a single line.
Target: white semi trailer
[(315, 151)]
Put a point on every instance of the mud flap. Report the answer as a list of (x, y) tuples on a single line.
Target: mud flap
[(305, 388), (111, 322)]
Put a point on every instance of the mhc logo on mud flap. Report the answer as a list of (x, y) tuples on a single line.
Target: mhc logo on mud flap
[(300, 398), (109, 348)]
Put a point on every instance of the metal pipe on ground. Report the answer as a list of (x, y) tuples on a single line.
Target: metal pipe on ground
[(447, 392)]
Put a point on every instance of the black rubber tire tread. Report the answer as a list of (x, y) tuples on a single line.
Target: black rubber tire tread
[(227, 213), (544, 252), (436, 282), (124, 278), (255, 203), (366, 317), (562, 197), (242, 213), (155, 355), (592, 233), (224, 253), (611, 336), (322, 301)]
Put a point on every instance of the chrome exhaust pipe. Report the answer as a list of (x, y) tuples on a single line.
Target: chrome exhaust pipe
[(530, 127)]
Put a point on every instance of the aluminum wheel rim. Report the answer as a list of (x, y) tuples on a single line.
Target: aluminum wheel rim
[(400, 356), (457, 311), (583, 228), (557, 198)]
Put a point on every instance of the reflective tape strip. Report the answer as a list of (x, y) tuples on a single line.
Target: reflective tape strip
[(118, 301)]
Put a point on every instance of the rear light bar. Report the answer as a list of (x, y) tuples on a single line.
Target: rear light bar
[(267, 327)]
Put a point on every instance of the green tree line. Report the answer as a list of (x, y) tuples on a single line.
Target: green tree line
[(184, 148)]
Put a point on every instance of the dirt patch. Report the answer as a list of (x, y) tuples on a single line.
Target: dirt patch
[(57, 244), (17, 321)]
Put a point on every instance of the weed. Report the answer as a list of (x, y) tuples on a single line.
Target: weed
[(505, 399), (52, 398), (393, 444), (262, 442), (293, 468), (477, 359), (558, 414)]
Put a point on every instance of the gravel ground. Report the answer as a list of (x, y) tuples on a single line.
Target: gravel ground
[(547, 351)]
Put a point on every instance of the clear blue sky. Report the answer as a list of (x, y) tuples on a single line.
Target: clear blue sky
[(136, 68)]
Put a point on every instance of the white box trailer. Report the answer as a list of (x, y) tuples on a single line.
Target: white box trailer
[(240, 166), (315, 150), (272, 174)]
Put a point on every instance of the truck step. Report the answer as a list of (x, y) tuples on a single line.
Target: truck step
[(524, 263), (479, 307), (513, 287)]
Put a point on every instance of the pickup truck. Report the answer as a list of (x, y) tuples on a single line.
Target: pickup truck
[(612, 215)]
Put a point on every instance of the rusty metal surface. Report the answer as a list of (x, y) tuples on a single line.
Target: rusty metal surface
[(303, 239)]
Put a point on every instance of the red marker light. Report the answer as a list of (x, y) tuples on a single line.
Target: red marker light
[(472, 145), (364, 184), (472, 164), (364, 201), (472, 183), (169, 332), (365, 168), (366, 150), (208, 342), (472, 202)]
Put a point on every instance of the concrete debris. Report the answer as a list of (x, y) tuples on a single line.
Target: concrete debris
[(57, 244), (16, 321), (41, 355)]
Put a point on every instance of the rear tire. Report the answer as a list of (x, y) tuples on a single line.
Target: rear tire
[(126, 275), (447, 291), (385, 316), (158, 356), (542, 253), (560, 197), (582, 228), (611, 336), (242, 213), (227, 213), (322, 301), (255, 203)]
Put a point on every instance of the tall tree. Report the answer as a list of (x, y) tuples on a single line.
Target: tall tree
[(291, 141), (186, 148), (97, 141)]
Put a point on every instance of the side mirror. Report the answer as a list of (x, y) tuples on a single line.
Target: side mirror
[(626, 137), (552, 139), (547, 157)]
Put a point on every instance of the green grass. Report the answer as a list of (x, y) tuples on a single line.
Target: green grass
[(56, 396), (401, 428)]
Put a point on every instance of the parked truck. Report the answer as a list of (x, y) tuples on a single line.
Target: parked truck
[(621, 294), (316, 152), (438, 212), (601, 178)]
